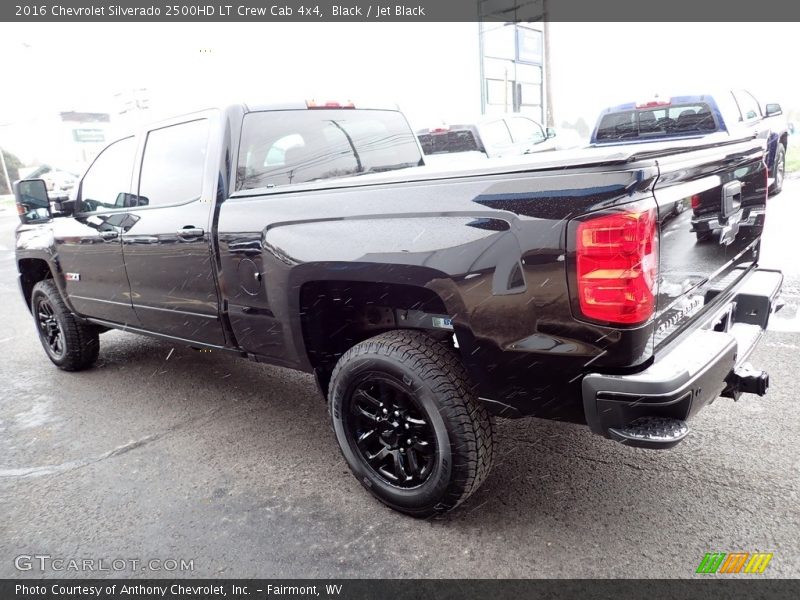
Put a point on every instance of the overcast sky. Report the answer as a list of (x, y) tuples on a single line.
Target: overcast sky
[(51, 68), (601, 64)]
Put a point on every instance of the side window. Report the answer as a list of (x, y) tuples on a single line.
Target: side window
[(107, 183), (525, 130), (173, 164), (729, 109), (495, 133), (748, 105)]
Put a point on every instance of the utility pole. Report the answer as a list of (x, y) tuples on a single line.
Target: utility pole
[(548, 91), (5, 170)]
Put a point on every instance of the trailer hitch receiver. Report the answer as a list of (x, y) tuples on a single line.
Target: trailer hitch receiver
[(744, 379)]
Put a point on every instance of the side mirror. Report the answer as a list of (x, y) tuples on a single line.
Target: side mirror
[(61, 205), (33, 204), (551, 133), (126, 200), (773, 110)]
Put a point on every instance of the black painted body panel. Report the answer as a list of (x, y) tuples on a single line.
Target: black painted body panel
[(492, 243)]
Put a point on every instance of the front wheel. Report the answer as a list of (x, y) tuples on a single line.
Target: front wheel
[(408, 424), (778, 170), (69, 343)]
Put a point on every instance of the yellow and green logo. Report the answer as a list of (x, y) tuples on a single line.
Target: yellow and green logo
[(734, 562)]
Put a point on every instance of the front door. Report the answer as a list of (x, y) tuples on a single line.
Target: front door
[(89, 248)]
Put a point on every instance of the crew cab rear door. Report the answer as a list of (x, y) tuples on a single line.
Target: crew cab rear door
[(168, 250)]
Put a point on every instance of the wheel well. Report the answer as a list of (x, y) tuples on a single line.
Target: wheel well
[(32, 271), (336, 315)]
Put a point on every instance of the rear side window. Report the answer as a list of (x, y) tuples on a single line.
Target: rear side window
[(660, 121), (729, 109), (173, 164), (495, 133), (297, 146), (107, 182), (747, 105)]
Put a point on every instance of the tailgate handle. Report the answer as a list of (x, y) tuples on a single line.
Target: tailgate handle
[(731, 197)]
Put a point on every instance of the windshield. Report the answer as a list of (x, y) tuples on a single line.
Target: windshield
[(659, 121), (453, 140)]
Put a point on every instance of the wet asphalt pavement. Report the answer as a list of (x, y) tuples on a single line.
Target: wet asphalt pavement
[(161, 452)]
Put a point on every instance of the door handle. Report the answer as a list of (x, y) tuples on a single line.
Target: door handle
[(190, 232), (109, 235)]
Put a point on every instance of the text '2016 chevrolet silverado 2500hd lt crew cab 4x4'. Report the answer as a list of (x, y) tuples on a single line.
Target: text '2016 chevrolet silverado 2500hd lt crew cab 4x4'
[(424, 301)]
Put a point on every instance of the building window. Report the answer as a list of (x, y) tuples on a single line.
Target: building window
[(513, 56), (529, 45)]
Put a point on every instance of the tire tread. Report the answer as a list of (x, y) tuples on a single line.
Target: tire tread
[(81, 339), (473, 446)]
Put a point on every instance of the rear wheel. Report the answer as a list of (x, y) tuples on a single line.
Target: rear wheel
[(408, 424), (778, 170), (69, 343)]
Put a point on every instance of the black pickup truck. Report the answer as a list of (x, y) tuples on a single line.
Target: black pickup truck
[(425, 302)]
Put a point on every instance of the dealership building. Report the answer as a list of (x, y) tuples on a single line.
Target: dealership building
[(513, 69)]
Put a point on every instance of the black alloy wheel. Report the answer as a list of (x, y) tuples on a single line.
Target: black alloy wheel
[(71, 343), (409, 423), (779, 170), (49, 329), (390, 430)]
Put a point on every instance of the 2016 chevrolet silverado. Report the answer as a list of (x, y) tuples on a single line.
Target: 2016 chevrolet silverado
[(425, 302)]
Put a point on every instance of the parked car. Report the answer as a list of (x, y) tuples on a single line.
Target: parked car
[(423, 301), (489, 137), (60, 182), (732, 112)]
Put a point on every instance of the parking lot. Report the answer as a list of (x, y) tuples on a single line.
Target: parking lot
[(162, 452)]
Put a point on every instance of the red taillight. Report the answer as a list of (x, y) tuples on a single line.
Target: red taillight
[(329, 104), (653, 102), (617, 265), (696, 201)]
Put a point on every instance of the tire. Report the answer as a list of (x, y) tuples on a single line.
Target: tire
[(70, 344), (778, 171), (422, 390)]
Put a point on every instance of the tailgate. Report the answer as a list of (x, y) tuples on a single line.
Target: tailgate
[(711, 206)]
